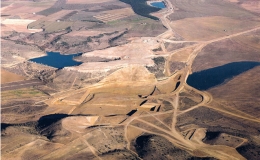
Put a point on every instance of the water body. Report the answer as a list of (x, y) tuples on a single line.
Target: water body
[(48, 120), (158, 4), (209, 78), (55, 59), (141, 8)]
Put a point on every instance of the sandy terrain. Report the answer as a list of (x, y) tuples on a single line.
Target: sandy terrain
[(33, 147), (182, 55), (7, 77), (78, 124), (20, 25), (139, 51)]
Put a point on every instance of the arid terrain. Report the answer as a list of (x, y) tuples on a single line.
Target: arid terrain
[(180, 82)]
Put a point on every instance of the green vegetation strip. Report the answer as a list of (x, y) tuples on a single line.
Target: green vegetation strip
[(21, 93)]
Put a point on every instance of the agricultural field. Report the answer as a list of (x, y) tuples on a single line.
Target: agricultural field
[(19, 25), (136, 25), (208, 28), (22, 93), (49, 26), (192, 9), (114, 15), (250, 5), (21, 10)]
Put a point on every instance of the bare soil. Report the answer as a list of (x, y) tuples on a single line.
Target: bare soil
[(227, 51), (129, 99), (7, 77)]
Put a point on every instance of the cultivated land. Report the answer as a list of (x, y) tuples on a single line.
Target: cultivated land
[(130, 98)]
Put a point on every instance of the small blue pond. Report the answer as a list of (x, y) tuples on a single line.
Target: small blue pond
[(212, 77), (55, 59), (158, 4)]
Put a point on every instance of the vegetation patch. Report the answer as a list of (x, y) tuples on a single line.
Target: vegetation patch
[(21, 93)]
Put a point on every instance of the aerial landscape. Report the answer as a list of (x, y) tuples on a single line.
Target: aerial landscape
[(130, 79)]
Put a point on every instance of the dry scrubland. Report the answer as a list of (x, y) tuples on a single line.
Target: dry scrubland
[(240, 48), (241, 93), (207, 20), (129, 99), (208, 28), (251, 5)]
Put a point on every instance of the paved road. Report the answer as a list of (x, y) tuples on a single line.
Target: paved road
[(20, 84)]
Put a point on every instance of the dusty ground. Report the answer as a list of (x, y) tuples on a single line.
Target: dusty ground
[(250, 5), (139, 51), (129, 99), (246, 97), (208, 28), (240, 48), (7, 77), (19, 25)]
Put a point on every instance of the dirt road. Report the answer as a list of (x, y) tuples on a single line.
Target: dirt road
[(171, 132)]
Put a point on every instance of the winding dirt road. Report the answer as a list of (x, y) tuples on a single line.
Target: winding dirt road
[(175, 137)]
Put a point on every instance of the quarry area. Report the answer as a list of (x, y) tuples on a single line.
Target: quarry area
[(175, 81)]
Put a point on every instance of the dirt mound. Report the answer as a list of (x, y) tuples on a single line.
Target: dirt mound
[(131, 74), (78, 123)]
